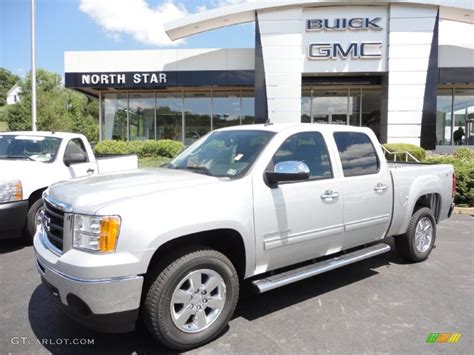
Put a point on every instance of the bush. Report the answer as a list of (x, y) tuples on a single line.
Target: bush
[(149, 148), (464, 168), (418, 152)]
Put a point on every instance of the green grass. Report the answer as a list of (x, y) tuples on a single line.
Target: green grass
[(3, 126), (154, 162)]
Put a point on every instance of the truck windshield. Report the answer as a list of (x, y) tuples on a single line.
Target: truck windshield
[(223, 153), (34, 148)]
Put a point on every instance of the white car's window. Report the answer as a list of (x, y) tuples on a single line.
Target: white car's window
[(35, 148), (308, 147), (223, 153), (358, 155)]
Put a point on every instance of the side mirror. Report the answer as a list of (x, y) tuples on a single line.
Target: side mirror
[(287, 171), (75, 158)]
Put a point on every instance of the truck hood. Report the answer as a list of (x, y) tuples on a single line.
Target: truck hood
[(15, 169), (87, 195)]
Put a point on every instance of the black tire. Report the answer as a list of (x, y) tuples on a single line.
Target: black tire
[(406, 244), (30, 227), (157, 302)]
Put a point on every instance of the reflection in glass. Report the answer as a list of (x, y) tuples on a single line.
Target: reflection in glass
[(169, 113), (354, 107), (371, 110), (197, 115), (248, 107), (225, 109), (141, 116), (306, 106), (463, 133), (330, 106), (443, 116), (114, 116)]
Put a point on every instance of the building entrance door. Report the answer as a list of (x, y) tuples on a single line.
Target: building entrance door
[(330, 106)]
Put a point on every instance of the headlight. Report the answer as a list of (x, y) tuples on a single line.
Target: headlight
[(11, 191), (96, 233)]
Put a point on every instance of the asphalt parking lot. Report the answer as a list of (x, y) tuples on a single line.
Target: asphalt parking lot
[(378, 305)]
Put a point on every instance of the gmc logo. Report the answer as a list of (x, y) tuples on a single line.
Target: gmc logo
[(340, 24), (363, 50)]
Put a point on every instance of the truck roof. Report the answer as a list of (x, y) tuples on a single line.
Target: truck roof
[(280, 127), (61, 135)]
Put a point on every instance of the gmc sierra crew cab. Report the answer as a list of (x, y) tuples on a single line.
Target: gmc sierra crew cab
[(31, 161), (270, 204)]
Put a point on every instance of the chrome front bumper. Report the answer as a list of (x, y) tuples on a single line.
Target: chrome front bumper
[(105, 304)]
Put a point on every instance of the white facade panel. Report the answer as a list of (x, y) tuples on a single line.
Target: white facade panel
[(201, 60), (282, 79), (283, 27), (455, 57), (404, 130), (408, 78), (402, 11), (241, 59), (293, 13), (410, 51), (411, 24), (284, 105), (285, 117), (410, 37), (404, 104), (286, 40), (405, 117), (404, 90), (283, 92), (408, 64), (283, 66), (276, 53)]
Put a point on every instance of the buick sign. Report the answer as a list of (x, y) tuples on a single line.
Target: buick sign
[(341, 24)]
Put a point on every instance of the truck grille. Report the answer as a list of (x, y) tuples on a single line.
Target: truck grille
[(53, 224)]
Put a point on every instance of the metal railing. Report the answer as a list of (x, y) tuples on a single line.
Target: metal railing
[(406, 154)]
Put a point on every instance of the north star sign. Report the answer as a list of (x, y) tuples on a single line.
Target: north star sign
[(121, 78), (334, 50)]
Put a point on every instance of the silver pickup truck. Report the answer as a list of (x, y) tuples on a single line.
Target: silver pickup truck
[(270, 204)]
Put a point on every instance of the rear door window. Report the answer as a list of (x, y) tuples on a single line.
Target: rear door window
[(358, 155)]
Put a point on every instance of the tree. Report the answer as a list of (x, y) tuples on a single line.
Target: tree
[(7, 80), (58, 108)]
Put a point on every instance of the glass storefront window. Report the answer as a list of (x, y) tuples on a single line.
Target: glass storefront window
[(141, 116), (248, 107), (169, 115), (226, 110), (371, 110), (306, 106), (197, 115), (354, 107), (444, 116), (114, 116), (463, 130), (330, 106)]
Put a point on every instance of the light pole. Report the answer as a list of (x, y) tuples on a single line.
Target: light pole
[(33, 68)]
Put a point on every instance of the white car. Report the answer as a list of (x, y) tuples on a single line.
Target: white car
[(31, 161), (257, 203)]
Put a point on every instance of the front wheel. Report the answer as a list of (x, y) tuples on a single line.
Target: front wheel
[(33, 218), (191, 300), (417, 243)]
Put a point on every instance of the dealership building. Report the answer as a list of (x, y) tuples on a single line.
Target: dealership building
[(403, 68)]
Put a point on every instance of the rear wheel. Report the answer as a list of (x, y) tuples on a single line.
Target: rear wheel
[(417, 243), (33, 218), (190, 301)]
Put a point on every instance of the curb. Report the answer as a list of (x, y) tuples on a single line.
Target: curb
[(464, 210)]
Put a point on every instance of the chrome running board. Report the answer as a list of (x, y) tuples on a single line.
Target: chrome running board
[(277, 280)]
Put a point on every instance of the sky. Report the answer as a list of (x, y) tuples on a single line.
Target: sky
[(90, 25)]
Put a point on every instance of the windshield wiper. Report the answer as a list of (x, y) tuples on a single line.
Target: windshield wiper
[(17, 157)]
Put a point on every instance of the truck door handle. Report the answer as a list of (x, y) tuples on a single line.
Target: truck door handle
[(329, 195), (380, 187), (90, 171)]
